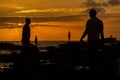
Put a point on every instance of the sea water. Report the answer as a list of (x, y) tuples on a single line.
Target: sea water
[(41, 45)]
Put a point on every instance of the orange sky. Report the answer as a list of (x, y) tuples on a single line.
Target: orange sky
[(69, 15), (58, 30)]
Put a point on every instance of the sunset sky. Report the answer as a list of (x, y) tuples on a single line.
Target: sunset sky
[(65, 7), (62, 16)]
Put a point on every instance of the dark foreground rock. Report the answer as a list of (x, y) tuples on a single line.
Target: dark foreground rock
[(70, 61)]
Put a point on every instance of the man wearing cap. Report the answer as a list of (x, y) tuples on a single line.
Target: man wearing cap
[(94, 30)]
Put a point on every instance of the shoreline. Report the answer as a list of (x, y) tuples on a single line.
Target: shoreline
[(69, 58)]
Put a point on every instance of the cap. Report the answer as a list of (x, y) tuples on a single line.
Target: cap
[(27, 19), (92, 11)]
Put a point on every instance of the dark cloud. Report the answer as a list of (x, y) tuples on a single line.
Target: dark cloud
[(90, 2), (99, 10), (60, 18), (100, 6), (46, 25), (40, 19), (96, 5), (93, 3), (114, 2), (12, 22)]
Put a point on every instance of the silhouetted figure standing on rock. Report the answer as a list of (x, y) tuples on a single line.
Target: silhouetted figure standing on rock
[(26, 32), (69, 36), (27, 63), (36, 40), (94, 30)]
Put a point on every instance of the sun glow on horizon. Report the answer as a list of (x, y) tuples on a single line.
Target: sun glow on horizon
[(52, 19)]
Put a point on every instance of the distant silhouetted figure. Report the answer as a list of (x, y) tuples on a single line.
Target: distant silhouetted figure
[(69, 36), (36, 40), (26, 32), (94, 30)]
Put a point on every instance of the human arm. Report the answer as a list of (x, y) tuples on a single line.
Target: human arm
[(102, 35), (84, 34)]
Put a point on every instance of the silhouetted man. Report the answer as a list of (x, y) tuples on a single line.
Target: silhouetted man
[(26, 32), (69, 35), (94, 30), (36, 40)]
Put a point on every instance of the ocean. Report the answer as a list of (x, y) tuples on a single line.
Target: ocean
[(41, 45)]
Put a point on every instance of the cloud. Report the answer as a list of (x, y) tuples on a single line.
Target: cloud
[(11, 6), (99, 10), (49, 12), (102, 3), (102, 6), (46, 25), (92, 3), (9, 9), (16, 22), (42, 10), (60, 18), (114, 2)]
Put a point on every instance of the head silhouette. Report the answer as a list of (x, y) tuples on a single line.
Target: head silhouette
[(92, 13), (28, 21)]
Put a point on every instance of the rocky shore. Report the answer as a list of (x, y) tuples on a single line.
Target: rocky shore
[(67, 61)]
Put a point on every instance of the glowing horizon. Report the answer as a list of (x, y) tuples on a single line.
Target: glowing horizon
[(56, 17)]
